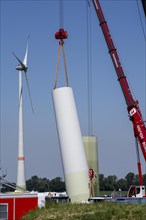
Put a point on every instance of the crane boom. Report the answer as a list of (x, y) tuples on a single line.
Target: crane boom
[(133, 109)]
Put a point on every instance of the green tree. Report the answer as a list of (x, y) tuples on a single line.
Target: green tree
[(44, 185), (57, 185), (144, 179), (32, 184), (122, 184), (38, 184), (136, 180), (110, 182), (102, 182), (130, 179)]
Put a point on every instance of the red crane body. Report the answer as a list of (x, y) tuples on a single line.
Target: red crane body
[(133, 109)]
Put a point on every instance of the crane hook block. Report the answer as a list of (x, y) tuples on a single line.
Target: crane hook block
[(61, 34)]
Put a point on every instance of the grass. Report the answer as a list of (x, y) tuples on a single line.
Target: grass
[(94, 211)]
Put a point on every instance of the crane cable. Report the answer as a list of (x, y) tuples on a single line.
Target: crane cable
[(60, 35), (143, 30), (61, 13), (57, 66), (91, 166), (144, 34), (61, 45), (89, 69)]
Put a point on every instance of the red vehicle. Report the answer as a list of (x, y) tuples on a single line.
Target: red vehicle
[(133, 109)]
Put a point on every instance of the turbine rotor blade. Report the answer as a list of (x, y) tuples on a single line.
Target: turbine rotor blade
[(23, 67), (20, 96), (26, 54), (28, 87), (22, 64)]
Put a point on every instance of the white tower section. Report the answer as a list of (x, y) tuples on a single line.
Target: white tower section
[(20, 169), (22, 67), (71, 145)]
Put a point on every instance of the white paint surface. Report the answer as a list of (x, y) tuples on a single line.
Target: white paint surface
[(71, 145)]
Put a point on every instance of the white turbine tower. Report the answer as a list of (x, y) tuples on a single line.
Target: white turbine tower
[(22, 67)]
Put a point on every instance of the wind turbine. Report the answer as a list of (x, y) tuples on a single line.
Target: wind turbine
[(22, 67)]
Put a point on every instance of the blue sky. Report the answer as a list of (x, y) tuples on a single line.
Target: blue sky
[(40, 20)]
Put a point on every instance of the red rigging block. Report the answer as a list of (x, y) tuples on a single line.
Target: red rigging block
[(61, 34), (91, 173)]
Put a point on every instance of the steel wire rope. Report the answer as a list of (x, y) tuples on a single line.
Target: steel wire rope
[(89, 95), (89, 70), (88, 84), (57, 66), (65, 66), (61, 14), (141, 22), (144, 34), (61, 45)]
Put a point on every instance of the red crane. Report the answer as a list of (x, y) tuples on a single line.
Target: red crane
[(133, 109)]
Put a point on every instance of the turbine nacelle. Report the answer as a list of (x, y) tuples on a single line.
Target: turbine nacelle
[(21, 68)]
